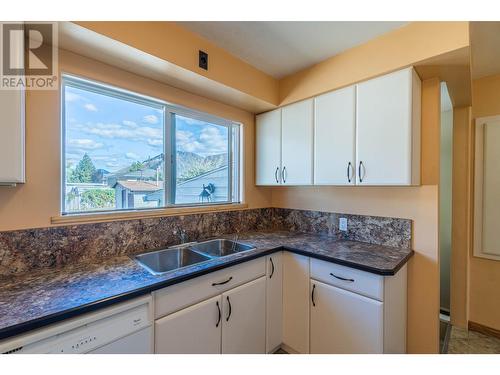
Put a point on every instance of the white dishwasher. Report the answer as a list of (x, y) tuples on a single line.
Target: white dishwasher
[(125, 328)]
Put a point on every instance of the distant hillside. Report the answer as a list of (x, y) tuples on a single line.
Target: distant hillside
[(189, 165)]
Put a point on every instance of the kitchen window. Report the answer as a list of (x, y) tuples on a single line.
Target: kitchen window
[(125, 151)]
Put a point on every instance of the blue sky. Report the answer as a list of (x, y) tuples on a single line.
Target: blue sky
[(115, 132)]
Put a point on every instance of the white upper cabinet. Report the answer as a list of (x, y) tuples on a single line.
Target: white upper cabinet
[(12, 133), (335, 137), (297, 143), (365, 134), (388, 130), (268, 148)]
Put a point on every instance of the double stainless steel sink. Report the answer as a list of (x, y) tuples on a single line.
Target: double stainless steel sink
[(162, 261)]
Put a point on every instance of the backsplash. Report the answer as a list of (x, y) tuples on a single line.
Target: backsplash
[(24, 250), (372, 229)]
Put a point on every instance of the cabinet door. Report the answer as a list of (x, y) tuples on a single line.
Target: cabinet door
[(388, 130), (12, 136), (193, 330), (244, 319), (343, 322), (274, 302), (268, 148), (334, 137), (296, 302), (297, 143)]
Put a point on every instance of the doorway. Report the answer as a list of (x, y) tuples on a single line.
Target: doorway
[(445, 213)]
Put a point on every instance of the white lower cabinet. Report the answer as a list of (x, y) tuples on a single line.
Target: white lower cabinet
[(356, 312), (232, 321), (302, 304), (343, 322), (274, 301), (244, 319), (296, 303), (194, 330)]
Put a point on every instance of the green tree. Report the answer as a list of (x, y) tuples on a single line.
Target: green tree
[(84, 171), (94, 199), (136, 166)]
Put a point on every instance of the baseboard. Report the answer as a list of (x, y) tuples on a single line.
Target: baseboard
[(473, 326)]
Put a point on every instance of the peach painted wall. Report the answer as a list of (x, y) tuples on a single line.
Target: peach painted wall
[(34, 203), (484, 294), (420, 204), (408, 45), (158, 39)]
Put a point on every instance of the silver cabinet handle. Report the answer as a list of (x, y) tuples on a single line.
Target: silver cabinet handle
[(349, 172), (276, 175), (284, 175), (359, 171)]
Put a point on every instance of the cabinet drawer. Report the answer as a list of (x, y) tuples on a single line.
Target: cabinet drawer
[(178, 296), (357, 281)]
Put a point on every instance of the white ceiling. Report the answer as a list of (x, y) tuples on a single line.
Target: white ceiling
[(283, 48)]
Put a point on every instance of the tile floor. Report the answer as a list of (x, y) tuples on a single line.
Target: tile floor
[(470, 342)]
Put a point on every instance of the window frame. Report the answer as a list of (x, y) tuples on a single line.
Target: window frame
[(169, 110)]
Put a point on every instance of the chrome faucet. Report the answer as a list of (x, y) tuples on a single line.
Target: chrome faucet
[(181, 233)]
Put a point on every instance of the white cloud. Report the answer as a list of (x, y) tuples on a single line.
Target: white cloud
[(210, 141), (90, 107), (142, 133), (112, 164), (132, 156), (150, 119), (85, 144), (71, 96), (131, 124), (155, 142)]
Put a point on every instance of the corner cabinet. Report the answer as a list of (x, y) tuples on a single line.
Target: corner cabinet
[(388, 130), (284, 150), (274, 301), (364, 134)]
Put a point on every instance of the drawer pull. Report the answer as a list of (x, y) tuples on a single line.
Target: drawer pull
[(229, 305), (272, 268), (342, 278), (223, 282), (220, 315), (312, 295)]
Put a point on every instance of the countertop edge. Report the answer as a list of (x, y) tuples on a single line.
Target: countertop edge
[(30, 325)]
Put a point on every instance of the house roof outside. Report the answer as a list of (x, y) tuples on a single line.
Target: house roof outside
[(203, 175), (146, 186)]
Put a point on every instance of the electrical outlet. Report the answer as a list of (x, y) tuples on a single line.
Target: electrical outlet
[(343, 224), (203, 60)]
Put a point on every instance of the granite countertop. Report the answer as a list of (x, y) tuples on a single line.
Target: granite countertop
[(36, 299)]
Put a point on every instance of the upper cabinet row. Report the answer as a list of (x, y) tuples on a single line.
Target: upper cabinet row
[(365, 134)]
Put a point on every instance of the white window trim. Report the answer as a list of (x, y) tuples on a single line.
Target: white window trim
[(234, 128)]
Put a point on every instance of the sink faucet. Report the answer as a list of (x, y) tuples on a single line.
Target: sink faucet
[(182, 235)]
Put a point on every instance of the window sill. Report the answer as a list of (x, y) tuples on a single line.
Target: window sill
[(131, 215)]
